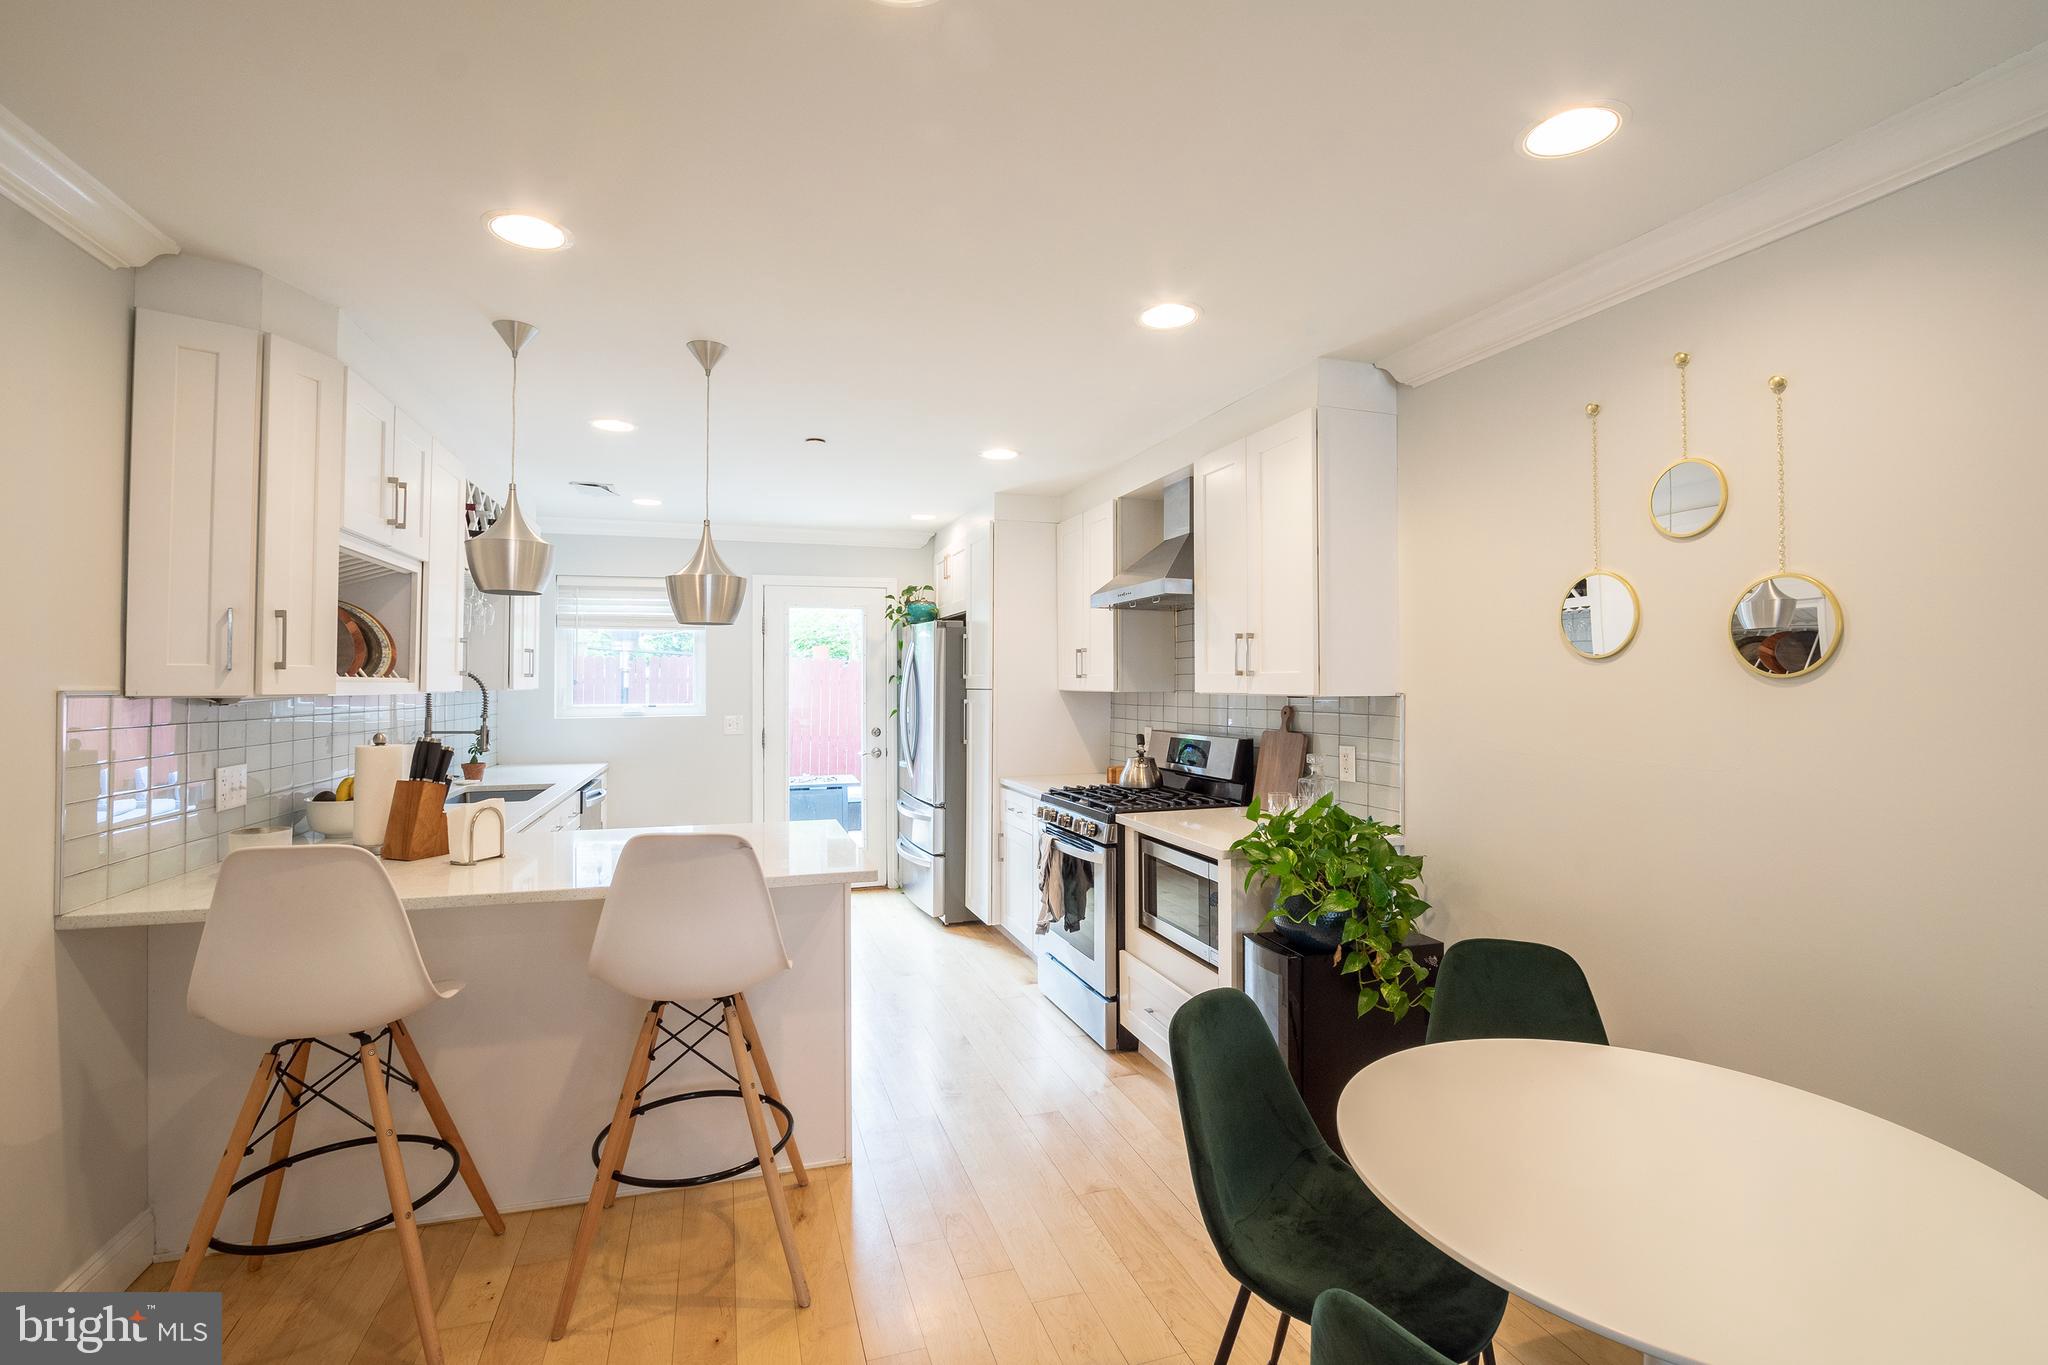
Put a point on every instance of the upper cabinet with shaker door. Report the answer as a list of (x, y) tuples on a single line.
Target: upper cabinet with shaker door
[(980, 607), (192, 508), (505, 650), (389, 466), (1103, 649), (446, 512), (1295, 555), (300, 522)]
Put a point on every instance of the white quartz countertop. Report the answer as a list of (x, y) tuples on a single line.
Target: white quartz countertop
[(538, 867), (1208, 832), (1038, 786), (562, 781)]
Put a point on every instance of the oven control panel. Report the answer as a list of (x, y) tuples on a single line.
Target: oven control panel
[(1079, 824)]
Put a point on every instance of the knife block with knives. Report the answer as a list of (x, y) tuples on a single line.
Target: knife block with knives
[(418, 827)]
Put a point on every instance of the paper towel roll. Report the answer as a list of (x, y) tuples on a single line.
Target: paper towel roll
[(378, 769)]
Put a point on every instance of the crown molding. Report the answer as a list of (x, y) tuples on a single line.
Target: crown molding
[(737, 532), (64, 195), (1984, 113)]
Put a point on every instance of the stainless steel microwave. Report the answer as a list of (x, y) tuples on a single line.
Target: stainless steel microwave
[(1180, 898)]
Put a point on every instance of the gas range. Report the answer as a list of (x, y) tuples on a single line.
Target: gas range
[(1196, 772), (1091, 812)]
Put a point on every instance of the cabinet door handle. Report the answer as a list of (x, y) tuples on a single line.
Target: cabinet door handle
[(405, 504), (1249, 636), (395, 484), (284, 635), (530, 661), (1077, 664), (231, 639), (1237, 654)]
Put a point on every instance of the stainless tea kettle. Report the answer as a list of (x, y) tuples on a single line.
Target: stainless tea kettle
[(1139, 770)]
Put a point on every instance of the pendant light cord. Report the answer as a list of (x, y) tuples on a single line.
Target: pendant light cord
[(1778, 388), (513, 482), (707, 443), (1593, 415)]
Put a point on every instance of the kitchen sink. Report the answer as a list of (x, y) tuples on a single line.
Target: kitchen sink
[(469, 796)]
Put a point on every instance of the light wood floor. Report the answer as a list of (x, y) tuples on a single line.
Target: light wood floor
[(1016, 1197)]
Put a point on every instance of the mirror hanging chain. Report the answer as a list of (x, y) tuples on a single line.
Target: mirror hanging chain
[(1778, 388), (1593, 417), (1681, 360)]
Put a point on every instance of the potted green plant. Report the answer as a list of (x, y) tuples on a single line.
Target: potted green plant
[(904, 609), (1340, 886), (473, 771)]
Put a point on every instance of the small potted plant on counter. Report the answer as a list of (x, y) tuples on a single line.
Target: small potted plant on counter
[(1341, 887), (473, 771)]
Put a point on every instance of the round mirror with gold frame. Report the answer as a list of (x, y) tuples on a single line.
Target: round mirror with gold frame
[(1689, 494), (1599, 616), (1785, 625), (1688, 497)]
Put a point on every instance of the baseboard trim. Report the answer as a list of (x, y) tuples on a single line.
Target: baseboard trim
[(115, 1265)]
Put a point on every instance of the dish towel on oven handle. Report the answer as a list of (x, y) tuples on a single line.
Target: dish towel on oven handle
[(1049, 859)]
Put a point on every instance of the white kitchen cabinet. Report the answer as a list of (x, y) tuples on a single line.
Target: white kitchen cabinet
[(950, 573), (1018, 850), (981, 833), (385, 478), (442, 646), (505, 652), (1295, 555), (980, 607), (1101, 649), (192, 487), (299, 522)]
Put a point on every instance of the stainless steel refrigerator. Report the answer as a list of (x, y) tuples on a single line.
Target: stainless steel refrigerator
[(931, 770)]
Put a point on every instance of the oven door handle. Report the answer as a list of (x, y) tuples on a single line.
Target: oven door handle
[(1087, 853)]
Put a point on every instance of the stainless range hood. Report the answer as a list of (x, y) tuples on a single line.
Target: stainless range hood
[(1163, 578)]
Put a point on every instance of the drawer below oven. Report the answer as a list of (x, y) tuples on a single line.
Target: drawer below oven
[(1148, 1002)]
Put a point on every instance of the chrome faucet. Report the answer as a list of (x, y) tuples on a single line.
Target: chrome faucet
[(483, 721)]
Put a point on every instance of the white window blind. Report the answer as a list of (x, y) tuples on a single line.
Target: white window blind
[(591, 603)]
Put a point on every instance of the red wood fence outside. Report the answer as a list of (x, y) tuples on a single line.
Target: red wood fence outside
[(663, 679), (825, 720)]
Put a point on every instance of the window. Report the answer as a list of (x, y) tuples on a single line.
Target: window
[(621, 653)]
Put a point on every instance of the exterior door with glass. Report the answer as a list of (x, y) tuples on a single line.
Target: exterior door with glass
[(827, 749)]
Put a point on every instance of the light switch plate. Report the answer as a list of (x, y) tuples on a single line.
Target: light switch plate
[(1347, 763), (231, 787), (735, 725)]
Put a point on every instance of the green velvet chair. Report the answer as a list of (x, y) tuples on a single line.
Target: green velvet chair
[(1349, 1331), (1504, 988), (1289, 1219)]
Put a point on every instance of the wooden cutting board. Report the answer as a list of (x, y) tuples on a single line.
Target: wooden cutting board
[(1282, 756)]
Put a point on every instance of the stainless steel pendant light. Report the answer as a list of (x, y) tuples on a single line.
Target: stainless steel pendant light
[(706, 592), (509, 558)]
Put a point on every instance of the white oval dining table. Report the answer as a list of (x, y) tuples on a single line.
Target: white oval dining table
[(1696, 1214)]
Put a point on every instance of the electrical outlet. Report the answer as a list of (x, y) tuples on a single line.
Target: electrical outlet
[(1347, 763), (735, 725), (231, 787)]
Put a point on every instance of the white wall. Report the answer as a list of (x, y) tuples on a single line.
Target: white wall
[(1834, 882), (682, 770), (71, 1005)]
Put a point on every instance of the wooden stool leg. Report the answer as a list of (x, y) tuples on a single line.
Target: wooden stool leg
[(401, 1204), (223, 1176), (768, 1086), (280, 1148), (613, 1160), (757, 1120), (611, 1190), (444, 1124)]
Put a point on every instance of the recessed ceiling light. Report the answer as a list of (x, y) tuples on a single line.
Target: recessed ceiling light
[(1164, 317), (523, 229), (612, 424), (999, 453), (1573, 131), (647, 502), (924, 516)]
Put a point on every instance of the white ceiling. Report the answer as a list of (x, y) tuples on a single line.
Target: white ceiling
[(926, 230)]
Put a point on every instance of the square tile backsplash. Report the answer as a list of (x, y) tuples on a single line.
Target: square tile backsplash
[(1371, 725), (136, 775)]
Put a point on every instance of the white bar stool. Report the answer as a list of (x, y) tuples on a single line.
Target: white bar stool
[(689, 917), (302, 942)]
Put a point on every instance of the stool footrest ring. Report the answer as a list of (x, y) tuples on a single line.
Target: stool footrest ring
[(785, 1120), (309, 1243)]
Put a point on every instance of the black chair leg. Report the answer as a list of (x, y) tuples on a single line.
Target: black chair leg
[(1279, 1339), (1487, 1354), (1244, 1296)]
